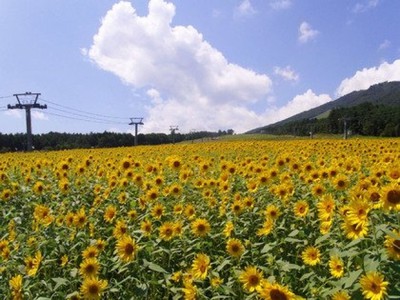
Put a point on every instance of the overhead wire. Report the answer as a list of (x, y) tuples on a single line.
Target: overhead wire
[(82, 111), (83, 116), (80, 119)]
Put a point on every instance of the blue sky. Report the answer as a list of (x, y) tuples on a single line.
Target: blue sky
[(199, 65)]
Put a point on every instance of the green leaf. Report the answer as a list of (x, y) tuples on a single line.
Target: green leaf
[(154, 267), (307, 275), (352, 243), (322, 238), (292, 240), (266, 248), (370, 264), (352, 278), (59, 282), (222, 265), (293, 233)]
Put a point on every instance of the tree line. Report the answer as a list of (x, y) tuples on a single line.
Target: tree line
[(364, 119), (60, 141)]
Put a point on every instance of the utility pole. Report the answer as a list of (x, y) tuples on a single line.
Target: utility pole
[(173, 129), (345, 126), (136, 122), (27, 101)]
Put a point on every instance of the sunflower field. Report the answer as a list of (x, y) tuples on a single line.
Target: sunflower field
[(299, 219)]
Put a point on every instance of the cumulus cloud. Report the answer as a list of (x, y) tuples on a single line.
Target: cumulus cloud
[(280, 4), (38, 115), (385, 44), (286, 73), (189, 83), (244, 9), (298, 104), (306, 32), (365, 5), (15, 113), (366, 77)]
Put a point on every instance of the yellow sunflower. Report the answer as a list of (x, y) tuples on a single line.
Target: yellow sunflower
[(16, 287), (200, 227), (92, 288), (373, 286), (251, 279), (267, 227), (336, 266), (89, 267), (391, 197), (235, 247), (392, 244), (157, 211), (300, 209), (38, 188), (166, 231), (90, 252), (272, 212), (120, 229), (110, 213), (341, 295), (200, 266), (354, 231), (229, 227), (275, 291), (126, 248), (311, 256), (146, 227)]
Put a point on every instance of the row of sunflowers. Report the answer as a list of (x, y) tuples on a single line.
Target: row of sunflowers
[(305, 219)]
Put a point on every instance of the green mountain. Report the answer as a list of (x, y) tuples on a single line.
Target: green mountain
[(384, 94)]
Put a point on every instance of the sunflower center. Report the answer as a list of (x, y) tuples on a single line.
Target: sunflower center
[(90, 269), (235, 248), (375, 288), (396, 246), (254, 280), (93, 289), (129, 249), (201, 228), (393, 197), (277, 295), (374, 197)]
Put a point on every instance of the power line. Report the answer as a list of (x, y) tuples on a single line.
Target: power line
[(86, 117), (85, 120), (83, 112), (4, 97)]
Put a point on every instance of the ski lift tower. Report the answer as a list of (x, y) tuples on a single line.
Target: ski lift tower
[(136, 122), (27, 101), (173, 129)]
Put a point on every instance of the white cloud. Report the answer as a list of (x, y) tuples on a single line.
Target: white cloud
[(244, 9), (38, 115), (189, 83), (280, 4), (366, 77), (365, 5), (306, 33), (15, 113), (298, 104), (287, 73), (385, 44)]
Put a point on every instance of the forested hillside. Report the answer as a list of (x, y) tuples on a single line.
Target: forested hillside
[(374, 111), (57, 141)]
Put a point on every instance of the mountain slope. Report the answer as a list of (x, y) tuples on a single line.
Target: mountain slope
[(385, 93)]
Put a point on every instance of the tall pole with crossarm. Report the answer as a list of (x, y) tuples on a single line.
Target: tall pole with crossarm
[(136, 122), (27, 101)]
